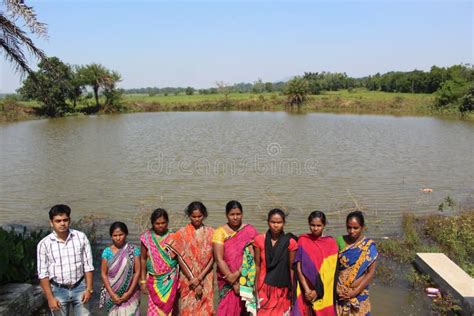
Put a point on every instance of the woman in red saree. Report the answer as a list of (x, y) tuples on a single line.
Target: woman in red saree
[(316, 268), (274, 255), (229, 242), (193, 246)]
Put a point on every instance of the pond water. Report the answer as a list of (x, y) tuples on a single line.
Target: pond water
[(120, 167)]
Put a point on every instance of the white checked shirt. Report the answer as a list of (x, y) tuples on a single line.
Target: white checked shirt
[(65, 262)]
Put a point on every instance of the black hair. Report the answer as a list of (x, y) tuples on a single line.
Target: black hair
[(159, 212), (276, 211), (358, 216), (233, 204), (59, 209), (317, 214), (196, 205), (119, 225)]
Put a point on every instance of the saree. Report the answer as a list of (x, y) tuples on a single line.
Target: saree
[(318, 257), (120, 274), (194, 246), (247, 280), (231, 304), (354, 260), (163, 273), (274, 286)]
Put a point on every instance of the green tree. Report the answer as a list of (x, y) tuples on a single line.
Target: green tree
[(112, 95), (258, 86), (467, 101), (51, 85), (296, 90), (449, 93), (268, 87), (77, 86), (224, 89), (94, 75), (13, 40), (98, 77), (189, 91)]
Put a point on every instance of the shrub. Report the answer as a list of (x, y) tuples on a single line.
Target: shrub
[(18, 255), (296, 90), (467, 104)]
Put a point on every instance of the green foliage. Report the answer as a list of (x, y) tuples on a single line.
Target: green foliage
[(455, 236), (450, 93), (402, 250), (418, 280), (98, 77), (268, 87), (258, 86), (113, 96), (55, 83), (417, 81), (446, 305), (51, 85), (327, 81), (467, 103), (296, 91), (18, 255), (189, 91)]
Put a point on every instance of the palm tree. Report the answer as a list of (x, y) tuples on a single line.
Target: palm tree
[(13, 40), (94, 75)]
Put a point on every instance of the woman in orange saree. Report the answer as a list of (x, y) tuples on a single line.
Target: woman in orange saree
[(193, 246)]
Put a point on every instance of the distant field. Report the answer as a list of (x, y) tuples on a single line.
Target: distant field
[(358, 101), (181, 98), (355, 101)]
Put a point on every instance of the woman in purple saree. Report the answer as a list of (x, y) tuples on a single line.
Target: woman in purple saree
[(229, 242), (120, 270)]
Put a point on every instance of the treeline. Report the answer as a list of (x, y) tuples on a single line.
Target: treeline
[(257, 87), (415, 81), (419, 81), (453, 86)]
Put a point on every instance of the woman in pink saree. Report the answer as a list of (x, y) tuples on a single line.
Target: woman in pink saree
[(229, 243)]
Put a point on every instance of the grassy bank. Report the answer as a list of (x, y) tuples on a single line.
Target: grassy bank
[(451, 235), (344, 101)]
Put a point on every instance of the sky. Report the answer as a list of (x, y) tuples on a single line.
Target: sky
[(196, 43)]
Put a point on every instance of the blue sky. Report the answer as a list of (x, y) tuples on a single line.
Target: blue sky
[(194, 43)]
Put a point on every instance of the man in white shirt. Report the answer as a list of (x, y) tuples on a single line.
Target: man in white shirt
[(65, 265)]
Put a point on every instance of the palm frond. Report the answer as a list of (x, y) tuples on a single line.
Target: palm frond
[(17, 8), (15, 55), (13, 39)]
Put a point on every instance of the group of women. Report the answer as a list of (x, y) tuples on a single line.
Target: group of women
[(274, 273)]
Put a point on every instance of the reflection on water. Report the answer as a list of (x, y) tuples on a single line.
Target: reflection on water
[(111, 165)]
